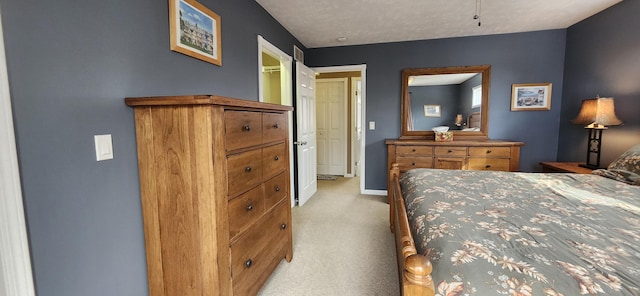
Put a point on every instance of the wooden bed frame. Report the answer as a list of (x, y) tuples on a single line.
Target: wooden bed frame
[(414, 270), (474, 119)]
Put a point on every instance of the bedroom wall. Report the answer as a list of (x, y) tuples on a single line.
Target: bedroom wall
[(603, 58), (433, 95), (533, 57), (71, 64)]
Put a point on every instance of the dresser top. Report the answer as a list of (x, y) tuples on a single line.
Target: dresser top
[(469, 143), (202, 100)]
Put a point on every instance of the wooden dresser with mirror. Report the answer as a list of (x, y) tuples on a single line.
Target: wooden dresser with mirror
[(459, 97)]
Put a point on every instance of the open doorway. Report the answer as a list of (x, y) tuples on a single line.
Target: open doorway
[(274, 86), (353, 119)]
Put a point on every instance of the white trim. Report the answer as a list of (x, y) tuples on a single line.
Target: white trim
[(375, 192), (355, 170), (16, 277), (363, 75), (286, 80), (285, 60)]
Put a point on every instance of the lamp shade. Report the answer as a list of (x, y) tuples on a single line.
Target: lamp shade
[(458, 121), (597, 112)]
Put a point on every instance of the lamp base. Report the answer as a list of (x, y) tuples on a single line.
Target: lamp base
[(589, 166)]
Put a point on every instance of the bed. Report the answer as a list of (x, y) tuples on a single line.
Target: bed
[(509, 233), (474, 120)]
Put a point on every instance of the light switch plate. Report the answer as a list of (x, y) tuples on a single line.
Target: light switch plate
[(372, 125), (104, 147)]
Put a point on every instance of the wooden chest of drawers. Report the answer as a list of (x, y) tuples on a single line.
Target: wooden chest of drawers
[(458, 155), (214, 182)]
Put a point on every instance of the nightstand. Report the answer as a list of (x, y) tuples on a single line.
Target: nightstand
[(564, 167)]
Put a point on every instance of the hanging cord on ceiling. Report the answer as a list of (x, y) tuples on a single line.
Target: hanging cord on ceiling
[(478, 12)]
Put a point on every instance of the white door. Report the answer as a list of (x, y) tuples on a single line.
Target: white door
[(356, 116), (306, 135), (331, 96)]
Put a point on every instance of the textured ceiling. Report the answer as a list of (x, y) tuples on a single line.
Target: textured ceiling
[(319, 23)]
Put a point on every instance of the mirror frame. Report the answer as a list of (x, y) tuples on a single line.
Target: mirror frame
[(457, 135)]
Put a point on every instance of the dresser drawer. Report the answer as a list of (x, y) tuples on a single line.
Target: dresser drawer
[(245, 210), (273, 160), (499, 152), (406, 163), (275, 190), (414, 150), (274, 127), (244, 171), (451, 151), (252, 253), (242, 129), (450, 163), (489, 164)]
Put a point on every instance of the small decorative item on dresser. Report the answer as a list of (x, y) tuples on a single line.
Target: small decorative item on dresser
[(444, 136)]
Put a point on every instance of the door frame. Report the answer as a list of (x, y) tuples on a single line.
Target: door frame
[(355, 170), (286, 81), (16, 276), (345, 107), (363, 75)]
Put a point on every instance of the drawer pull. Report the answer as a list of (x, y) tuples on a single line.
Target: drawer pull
[(277, 188), (276, 125), (246, 127), (248, 263), (449, 151), (248, 169), (413, 163), (276, 158), (414, 150), (487, 166), (283, 226), (488, 151), (249, 208)]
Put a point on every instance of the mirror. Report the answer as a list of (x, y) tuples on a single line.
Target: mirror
[(456, 97)]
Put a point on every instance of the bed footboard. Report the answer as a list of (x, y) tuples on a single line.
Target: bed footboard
[(414, 270)]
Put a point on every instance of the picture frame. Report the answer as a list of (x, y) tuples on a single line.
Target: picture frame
[(531, 97), (195, 31), (432, 111)]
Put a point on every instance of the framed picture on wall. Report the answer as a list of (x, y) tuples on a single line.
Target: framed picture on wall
[(431, 110), (531, 97), (195, 31)]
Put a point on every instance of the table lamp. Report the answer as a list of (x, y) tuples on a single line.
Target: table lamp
[(596, 114), (458, 122)]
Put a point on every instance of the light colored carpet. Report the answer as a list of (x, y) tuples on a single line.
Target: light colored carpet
[(341, 246)]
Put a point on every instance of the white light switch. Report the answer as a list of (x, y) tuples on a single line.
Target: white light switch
[(104, 147), (372, 125)]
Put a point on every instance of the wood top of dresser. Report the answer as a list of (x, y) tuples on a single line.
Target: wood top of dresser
[(203, 100), (467, 143)]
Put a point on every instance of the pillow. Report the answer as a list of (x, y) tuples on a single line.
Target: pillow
[(626, 168), (628, 161)]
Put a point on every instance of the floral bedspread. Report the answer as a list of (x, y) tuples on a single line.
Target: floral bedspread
[(500, 233)]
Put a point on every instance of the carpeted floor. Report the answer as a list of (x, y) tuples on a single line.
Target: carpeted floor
[(341, 246)]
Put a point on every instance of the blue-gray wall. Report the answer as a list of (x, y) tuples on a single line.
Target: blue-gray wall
[(446, 96), (603, 58), (533, 57), (71, 64)]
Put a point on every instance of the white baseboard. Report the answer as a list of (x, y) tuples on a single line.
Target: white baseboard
[(374, 192)]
